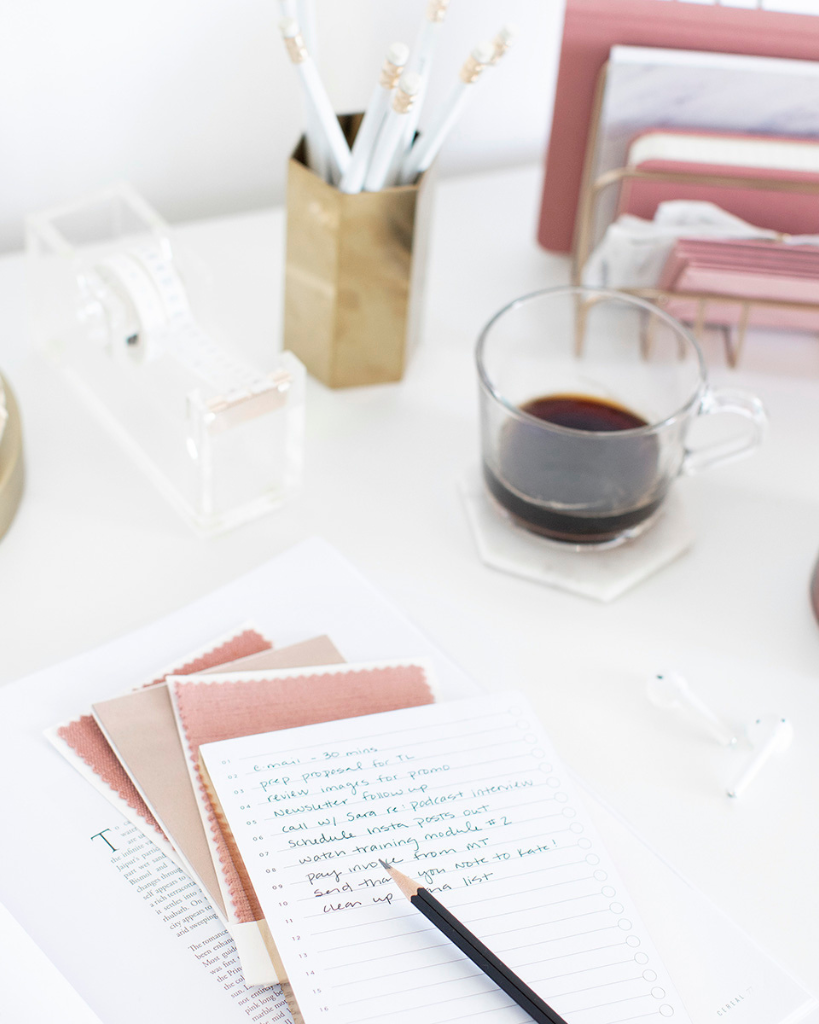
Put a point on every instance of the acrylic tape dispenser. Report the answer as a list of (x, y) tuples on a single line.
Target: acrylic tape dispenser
[(114, 302)]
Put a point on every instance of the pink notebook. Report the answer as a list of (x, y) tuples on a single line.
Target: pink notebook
[(592, 27), (789, 212)]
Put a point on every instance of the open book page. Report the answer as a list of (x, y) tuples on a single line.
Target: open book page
[(470, 798)]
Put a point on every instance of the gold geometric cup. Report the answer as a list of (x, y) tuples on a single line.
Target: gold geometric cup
[(354, 274)]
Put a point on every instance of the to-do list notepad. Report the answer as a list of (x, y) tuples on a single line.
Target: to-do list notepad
[(469, 798)]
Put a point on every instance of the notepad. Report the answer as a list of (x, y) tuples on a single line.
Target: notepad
[(470, 798)]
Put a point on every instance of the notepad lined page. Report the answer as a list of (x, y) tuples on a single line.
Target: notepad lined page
[(469, 798)]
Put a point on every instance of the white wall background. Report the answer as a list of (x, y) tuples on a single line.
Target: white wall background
[(195, 102)]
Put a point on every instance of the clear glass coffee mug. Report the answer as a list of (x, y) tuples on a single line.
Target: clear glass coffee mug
[(587, 398)]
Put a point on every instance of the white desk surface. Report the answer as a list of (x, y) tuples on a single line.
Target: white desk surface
[(95, 552)]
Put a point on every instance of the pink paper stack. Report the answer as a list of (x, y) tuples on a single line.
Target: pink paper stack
[(772, 271)]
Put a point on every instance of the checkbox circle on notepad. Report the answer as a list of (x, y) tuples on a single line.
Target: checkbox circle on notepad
[(545, 767), (624, 923), (658, 993), (641, 958), (634, 940), (616, 908), (584, 843), (600, 875), (575, 827), (592, 858), (666, 1010), (560, 797), (650, 975), (569, 812), (608, 891)]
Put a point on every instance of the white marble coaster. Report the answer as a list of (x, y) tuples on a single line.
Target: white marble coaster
[(602, 574)]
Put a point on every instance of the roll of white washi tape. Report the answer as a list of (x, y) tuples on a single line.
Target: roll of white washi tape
[(135, 288)]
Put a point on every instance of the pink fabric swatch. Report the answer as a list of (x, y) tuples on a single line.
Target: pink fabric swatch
[(209, 711), (240, 646), (86, 739)]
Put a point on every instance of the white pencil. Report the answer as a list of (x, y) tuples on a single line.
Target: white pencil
[(392, 132), (315, 150), (429, 143), (420, 63), (331, 137), (424, 49), (377, 108), (304, 13)]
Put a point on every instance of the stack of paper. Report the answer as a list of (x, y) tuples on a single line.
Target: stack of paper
[(751, 270), (142, 751), (327, 768)]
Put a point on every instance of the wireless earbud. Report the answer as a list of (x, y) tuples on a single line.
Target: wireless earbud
[(773, 735), (671, 691)]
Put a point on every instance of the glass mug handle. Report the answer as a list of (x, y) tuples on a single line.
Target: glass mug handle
[(741, 403)]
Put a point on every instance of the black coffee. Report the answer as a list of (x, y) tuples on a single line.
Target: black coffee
[(572, 486)]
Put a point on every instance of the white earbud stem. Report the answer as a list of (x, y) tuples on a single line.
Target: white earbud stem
[(773, 735), (670, 690)]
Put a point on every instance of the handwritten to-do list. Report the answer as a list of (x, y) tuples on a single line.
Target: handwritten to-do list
[(469, 798)]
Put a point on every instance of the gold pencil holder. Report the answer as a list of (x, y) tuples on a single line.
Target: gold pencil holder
[(354, 274)]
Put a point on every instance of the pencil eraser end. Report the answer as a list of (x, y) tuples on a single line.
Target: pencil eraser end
[(508, 32), (289, 28), (484, 53), (398, 54), (410, 83)]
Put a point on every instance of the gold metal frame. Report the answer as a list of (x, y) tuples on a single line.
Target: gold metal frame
[(590, 192)]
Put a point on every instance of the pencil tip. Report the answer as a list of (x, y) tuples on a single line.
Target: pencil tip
[(384, 864)]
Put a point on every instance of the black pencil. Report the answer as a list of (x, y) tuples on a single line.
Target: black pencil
[(472, 946)]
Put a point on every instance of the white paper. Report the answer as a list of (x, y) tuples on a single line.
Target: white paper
[(39, 992), (58, 881), (470, 799)]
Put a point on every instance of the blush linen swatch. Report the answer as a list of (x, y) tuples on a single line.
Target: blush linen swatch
[(224, 706), (83, 743), (140, 728)]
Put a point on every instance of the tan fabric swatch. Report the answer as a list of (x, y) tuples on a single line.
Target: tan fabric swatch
[(141, 729)]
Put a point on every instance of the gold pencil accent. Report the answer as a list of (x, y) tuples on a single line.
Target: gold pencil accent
[(436, 10), (296, 48)]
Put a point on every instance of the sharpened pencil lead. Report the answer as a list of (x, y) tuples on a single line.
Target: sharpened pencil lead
[(384, 864)]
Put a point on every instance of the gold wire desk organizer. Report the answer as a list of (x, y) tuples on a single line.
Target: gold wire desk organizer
[(591, 190)]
